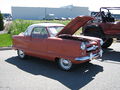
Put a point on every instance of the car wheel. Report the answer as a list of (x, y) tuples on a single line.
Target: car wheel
[(96, 32), (93, 31), (64, 64), (107, 42), (21, 54)]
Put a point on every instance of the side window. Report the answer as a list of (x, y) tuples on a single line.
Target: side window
[(39, 32)]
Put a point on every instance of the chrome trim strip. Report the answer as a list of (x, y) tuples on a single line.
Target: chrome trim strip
[(92, 48)]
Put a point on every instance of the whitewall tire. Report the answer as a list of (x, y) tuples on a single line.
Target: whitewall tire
[(21, 54), (65, 64)]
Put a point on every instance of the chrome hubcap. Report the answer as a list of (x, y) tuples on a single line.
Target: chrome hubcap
[(21, 53), (66, 64)]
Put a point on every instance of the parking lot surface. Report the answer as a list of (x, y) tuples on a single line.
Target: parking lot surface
[(38, 74)]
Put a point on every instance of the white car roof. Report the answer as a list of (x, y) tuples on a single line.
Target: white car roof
[(47, 24), (29, 29)]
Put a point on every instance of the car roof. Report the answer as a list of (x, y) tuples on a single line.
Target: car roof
[(30, 28), (46, 24)]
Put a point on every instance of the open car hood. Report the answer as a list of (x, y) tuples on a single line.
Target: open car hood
[(74, 25)]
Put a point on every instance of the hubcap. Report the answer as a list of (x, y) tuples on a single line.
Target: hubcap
[(66, 64), (21, 53)]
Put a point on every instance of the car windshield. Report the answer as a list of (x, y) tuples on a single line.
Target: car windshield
[(54, 30)]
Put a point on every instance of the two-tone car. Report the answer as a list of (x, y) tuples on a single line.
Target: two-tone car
[(56, 42)]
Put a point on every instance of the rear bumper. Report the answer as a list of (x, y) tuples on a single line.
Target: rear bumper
[(90, 57)]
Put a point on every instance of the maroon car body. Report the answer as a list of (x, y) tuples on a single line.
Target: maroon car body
[(104, 25), (62, 46)]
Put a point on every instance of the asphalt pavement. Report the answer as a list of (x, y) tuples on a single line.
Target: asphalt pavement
[(39, 74)]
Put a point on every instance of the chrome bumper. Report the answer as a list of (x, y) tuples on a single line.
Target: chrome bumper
[(90, 57)]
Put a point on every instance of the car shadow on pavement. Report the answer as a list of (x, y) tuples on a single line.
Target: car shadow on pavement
[(74, 79), (111, 55)]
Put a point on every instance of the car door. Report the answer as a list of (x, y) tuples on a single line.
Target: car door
[(39, 37), (115, 28), (111, 28)]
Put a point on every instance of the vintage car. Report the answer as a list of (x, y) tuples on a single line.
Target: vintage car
[(56, 42)]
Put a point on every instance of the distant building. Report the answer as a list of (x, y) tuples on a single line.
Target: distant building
[(37, 13)]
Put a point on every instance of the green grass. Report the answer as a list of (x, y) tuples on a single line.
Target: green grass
[(18, 26), (5, 40)]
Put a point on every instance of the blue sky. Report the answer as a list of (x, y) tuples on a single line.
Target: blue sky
[(94, 5)]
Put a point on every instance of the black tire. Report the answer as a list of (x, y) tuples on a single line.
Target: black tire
[(64, 64), (96, 31), (88, 62), (21, 54), (107, 43), (93, 31)]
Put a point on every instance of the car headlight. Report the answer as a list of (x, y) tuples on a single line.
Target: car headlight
[(83, 46), (101, 42)]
